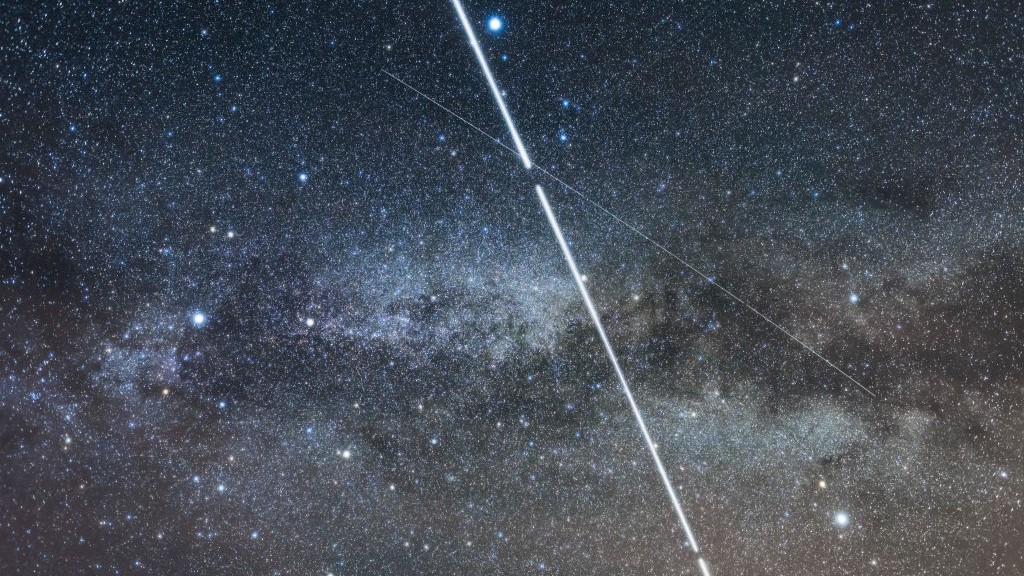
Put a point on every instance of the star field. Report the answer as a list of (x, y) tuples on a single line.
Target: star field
[(265, 310)]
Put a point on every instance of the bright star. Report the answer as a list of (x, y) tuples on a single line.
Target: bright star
[(854, 298), (198, 319), (841, 519), (494, 24)]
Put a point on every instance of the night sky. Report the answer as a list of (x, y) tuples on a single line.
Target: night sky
[(266, 310)]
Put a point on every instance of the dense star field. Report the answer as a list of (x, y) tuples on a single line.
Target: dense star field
[(266, 310)]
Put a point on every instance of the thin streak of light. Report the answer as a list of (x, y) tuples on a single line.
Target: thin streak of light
[(636, 231), (711, 281), (596, 318), (449, 110), (490, 82)]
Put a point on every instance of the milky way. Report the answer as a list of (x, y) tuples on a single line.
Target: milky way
[(266, 311)]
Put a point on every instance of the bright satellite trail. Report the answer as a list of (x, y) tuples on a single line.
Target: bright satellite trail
[(591, 309), (491, 83)]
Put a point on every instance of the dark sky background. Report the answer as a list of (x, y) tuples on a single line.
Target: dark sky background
[(264, 310)]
